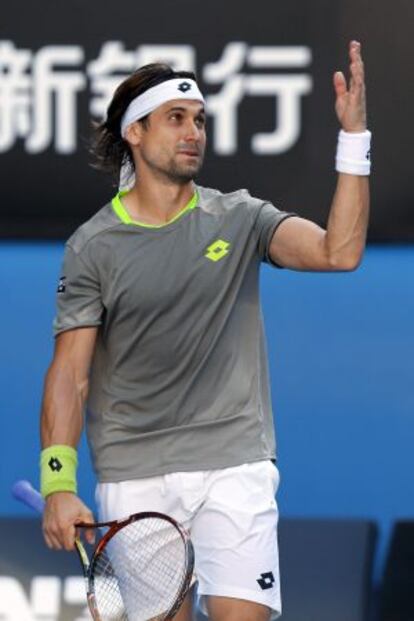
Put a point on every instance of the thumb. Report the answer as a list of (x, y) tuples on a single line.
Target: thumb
[(339, 83), (89, 533)]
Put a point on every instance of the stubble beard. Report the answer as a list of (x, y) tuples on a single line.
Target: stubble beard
[(174, 172)]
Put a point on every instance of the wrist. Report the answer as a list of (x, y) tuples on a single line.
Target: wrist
[(58, 464), (354, 127), (354, 130), (353, 153)]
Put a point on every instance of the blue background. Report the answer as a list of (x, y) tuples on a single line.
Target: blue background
[(341, 360)]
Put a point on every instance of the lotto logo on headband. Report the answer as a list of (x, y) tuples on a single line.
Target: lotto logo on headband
[(184, 87), (154, 97)]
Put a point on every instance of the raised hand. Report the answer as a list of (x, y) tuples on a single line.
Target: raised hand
[(350, 105)]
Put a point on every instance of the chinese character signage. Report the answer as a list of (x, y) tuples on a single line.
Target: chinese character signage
[(39, 91), (266, 74)]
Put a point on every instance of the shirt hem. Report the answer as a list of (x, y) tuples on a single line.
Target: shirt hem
[(172, 468), (86, 324)]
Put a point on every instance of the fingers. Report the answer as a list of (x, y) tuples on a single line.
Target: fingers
[(52, 540), (339, 83), (63, 511), (68, 534), (88, 533), (356, 67), (350, 104), (355, 51), (59, 535)]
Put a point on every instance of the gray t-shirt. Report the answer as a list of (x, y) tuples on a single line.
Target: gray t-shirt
[(179, 376)]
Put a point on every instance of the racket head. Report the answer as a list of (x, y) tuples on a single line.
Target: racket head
[(141, 569), (177, 560)]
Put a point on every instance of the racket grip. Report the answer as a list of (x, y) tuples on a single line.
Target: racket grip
[(25, 492)]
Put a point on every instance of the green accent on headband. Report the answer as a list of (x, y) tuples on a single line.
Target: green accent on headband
[(58, 465), (124, 216)]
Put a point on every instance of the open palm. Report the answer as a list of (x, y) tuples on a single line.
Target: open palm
[(350, 105)]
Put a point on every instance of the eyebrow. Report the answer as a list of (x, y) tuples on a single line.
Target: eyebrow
[(182, 109)]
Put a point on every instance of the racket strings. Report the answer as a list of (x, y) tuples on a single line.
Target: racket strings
[(140, 572)]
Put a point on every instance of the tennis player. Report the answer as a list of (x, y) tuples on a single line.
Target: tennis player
[(159, 333)]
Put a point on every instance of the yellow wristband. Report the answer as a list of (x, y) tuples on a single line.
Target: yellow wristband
[(58, 465)]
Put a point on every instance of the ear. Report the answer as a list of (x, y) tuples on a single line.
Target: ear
[(133, 134)]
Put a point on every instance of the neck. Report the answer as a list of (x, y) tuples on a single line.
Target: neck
[(157, 203)]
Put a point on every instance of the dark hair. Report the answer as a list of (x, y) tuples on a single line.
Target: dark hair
[(109, 150)]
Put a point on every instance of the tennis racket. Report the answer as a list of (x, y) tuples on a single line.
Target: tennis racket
[(140, 569)]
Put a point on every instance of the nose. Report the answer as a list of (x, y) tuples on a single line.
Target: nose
[(192, 131)]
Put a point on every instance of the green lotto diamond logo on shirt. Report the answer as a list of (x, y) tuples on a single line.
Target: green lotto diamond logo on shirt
[(217, 250)]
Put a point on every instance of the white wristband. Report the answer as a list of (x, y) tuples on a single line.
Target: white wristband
[(353, 153)]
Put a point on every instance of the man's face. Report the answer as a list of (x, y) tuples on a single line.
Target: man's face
[(172, 144)]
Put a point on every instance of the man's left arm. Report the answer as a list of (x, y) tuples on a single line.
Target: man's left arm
[(303, 245)]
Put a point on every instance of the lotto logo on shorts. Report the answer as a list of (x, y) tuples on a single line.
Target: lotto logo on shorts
[(217, 250), (266, 581)]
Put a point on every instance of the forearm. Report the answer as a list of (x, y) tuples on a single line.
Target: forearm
[(61, 424), (348, 219), (62, 409), (346, 231)]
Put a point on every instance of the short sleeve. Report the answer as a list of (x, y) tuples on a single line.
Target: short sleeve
[(267, 220), (79, 302)]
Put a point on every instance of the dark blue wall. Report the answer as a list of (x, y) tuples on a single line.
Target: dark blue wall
[(341, 356)]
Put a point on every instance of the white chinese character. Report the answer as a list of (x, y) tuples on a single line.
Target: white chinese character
[(58, 87), (115, 64), (287, 89), (106, 73), (15, 87)]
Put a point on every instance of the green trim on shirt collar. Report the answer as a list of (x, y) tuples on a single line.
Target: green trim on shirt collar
[(124, 216)]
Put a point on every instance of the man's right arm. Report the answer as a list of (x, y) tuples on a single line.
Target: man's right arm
[(65, 392)]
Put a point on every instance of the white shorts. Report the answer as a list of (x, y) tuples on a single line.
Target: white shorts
[(232, 517)]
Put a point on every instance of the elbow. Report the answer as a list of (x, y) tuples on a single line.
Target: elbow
[(343, 257), (345, 263)]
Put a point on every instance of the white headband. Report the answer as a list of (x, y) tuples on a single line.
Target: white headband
[(177, 88)]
